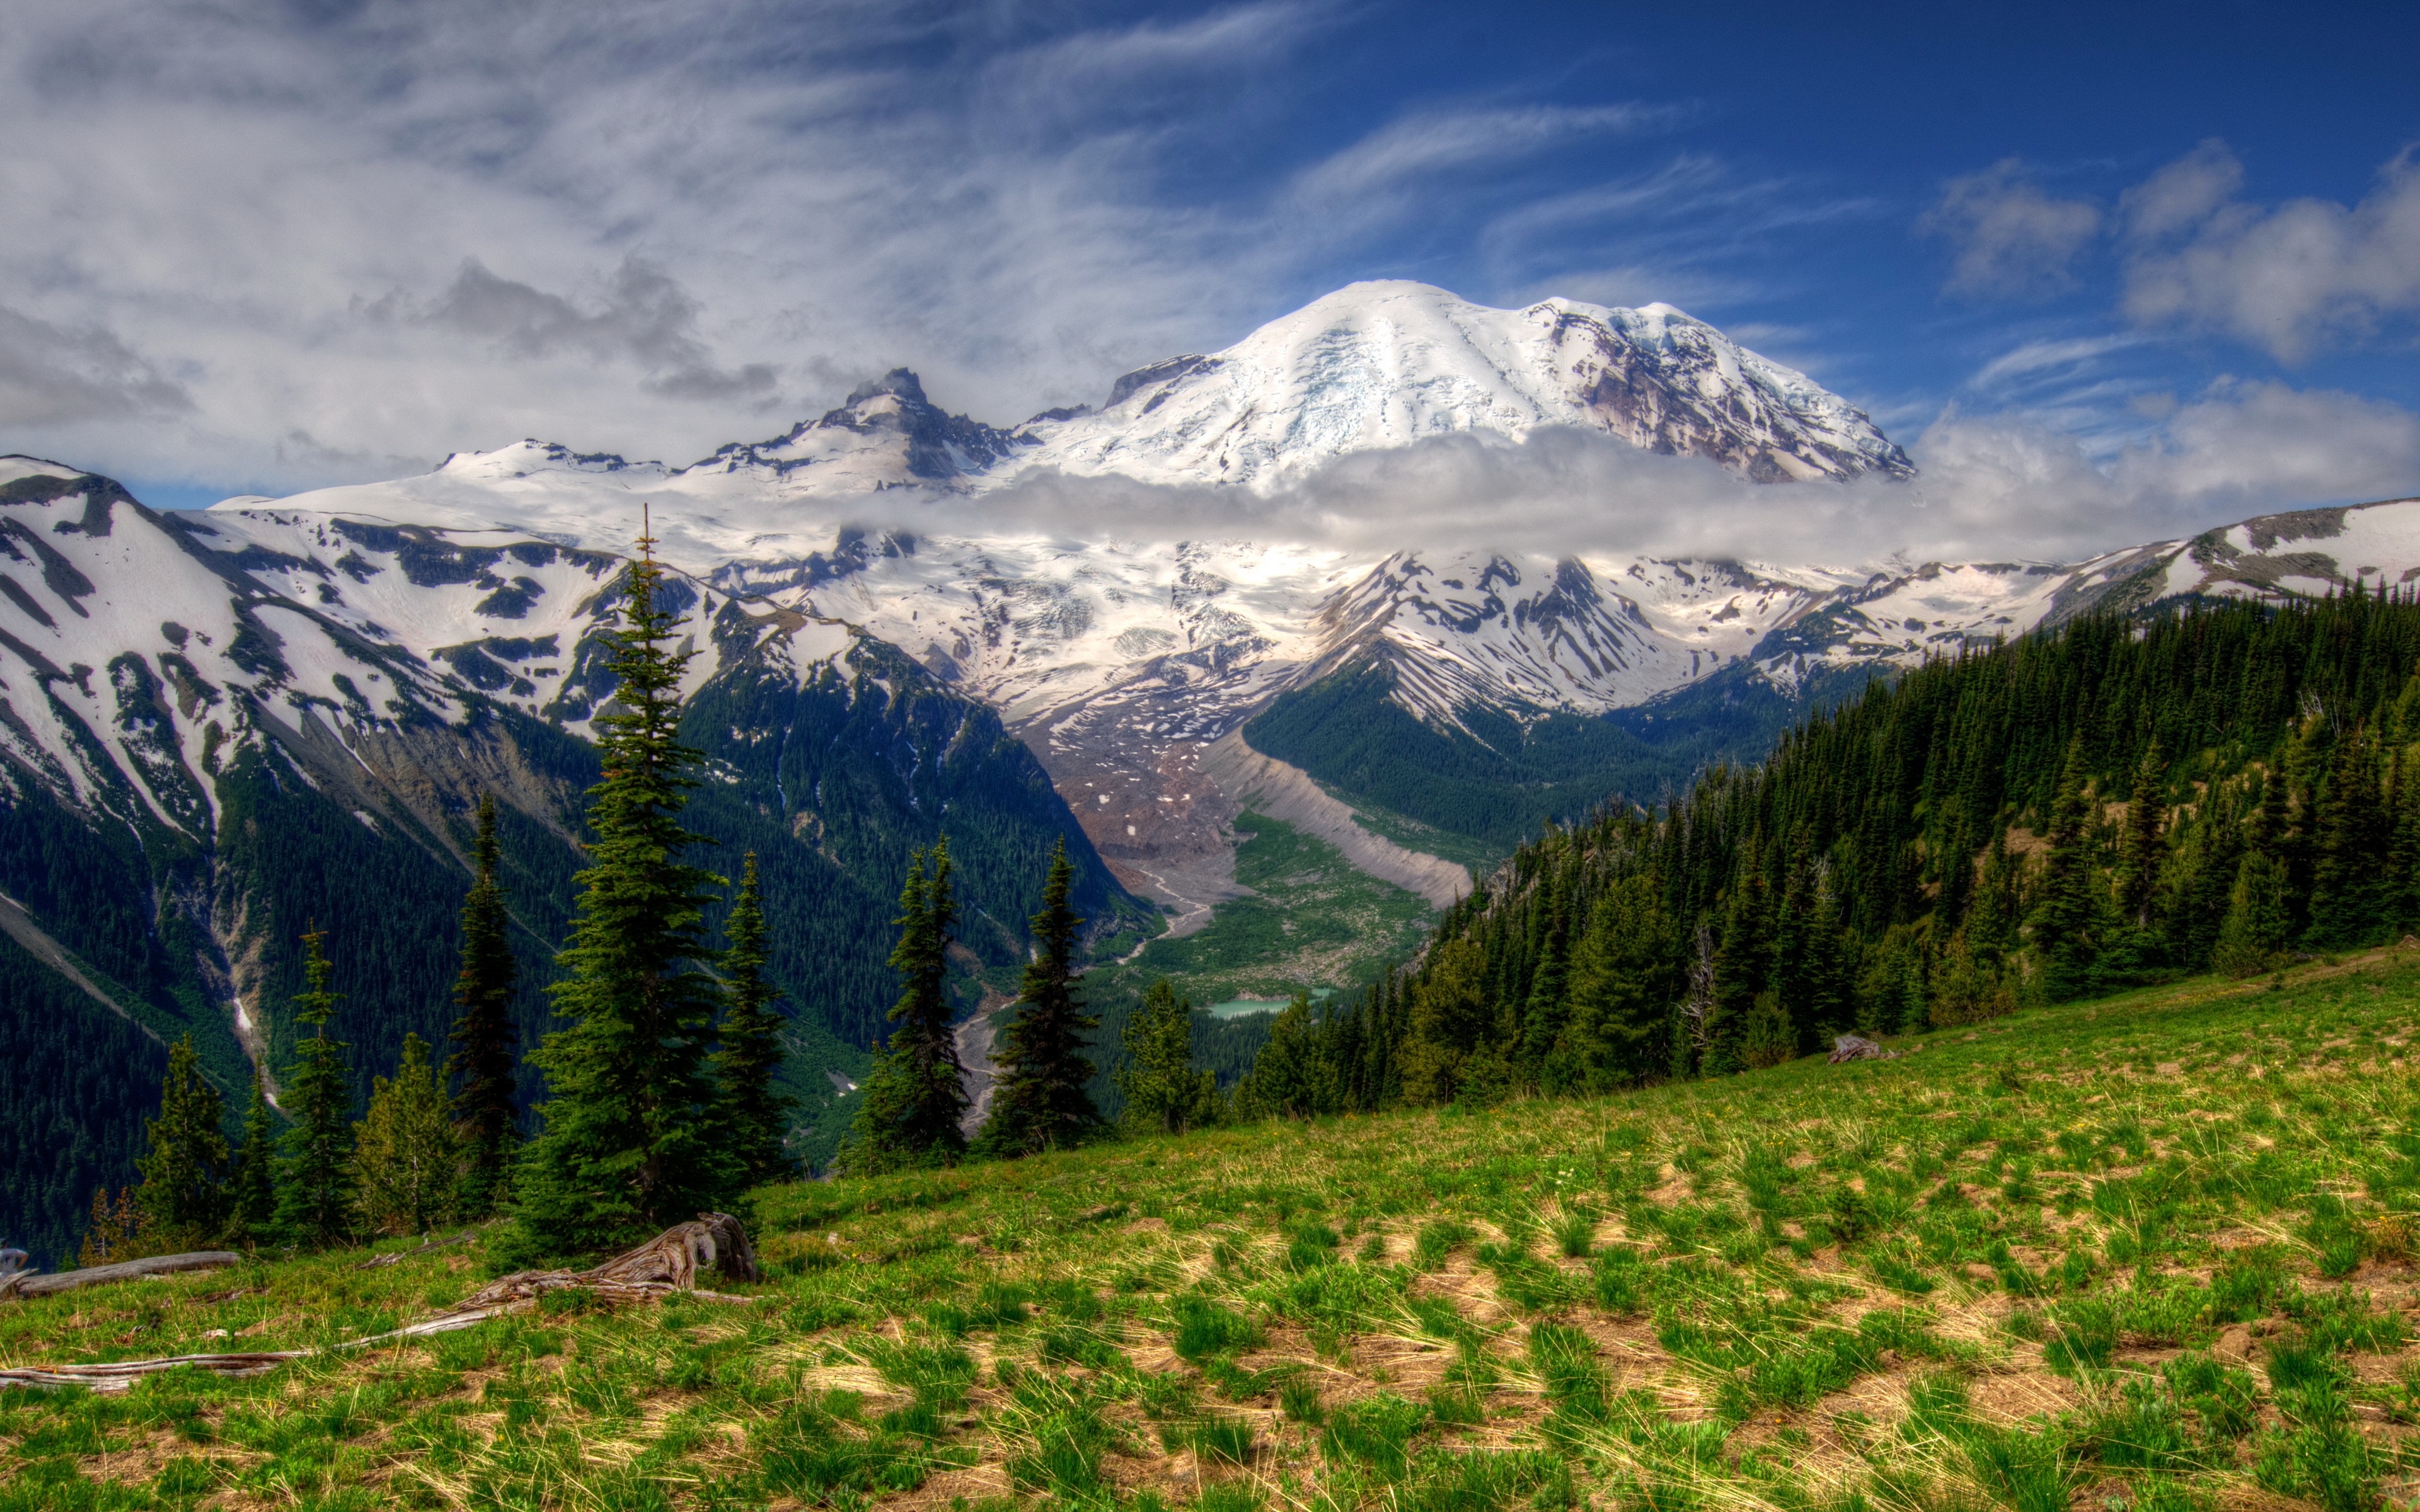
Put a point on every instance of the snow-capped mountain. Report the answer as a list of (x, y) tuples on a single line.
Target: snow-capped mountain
[(1118, 658), (1384, 365)]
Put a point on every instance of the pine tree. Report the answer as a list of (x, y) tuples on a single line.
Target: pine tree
[(2139, 872), (408, 1155), (483, 1038), (314, 1185), (251, 1189), (1547, 1011), (183, 1199), (2065, 925), (114, 1233), (916, 1096), (2349, 881), (755, 1113), (1742, 969), (1162, 1089), (1450, 1018), (1039, 1102), (1625, 979), (1291, 1077), (629, 1144), (2252, 936)]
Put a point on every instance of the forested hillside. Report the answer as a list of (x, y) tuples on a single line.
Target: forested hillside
[(1498, 778), (2108, 804)]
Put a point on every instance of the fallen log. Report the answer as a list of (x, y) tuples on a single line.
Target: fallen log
[(667, 1264), (33, 1284), (1857, 1047)]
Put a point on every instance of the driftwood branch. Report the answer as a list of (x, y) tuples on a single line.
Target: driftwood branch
[(29, 1284), (670, 1262)]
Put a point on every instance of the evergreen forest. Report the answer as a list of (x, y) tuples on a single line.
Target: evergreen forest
[(2230, 787)]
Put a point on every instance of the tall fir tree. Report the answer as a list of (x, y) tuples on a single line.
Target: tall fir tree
[(1625, 979), (2141, 850), (1742, 969), (1162, 1089), (2348, 881), (315, 1173), (252, 1187), (1546, 1013), (916, 1096), (2252, 938), (2065, 927), (1291, 1077), (755, 1113), (1039, 1102), (485, 1041), (183, 1197), (629, 1141), (408, 1155)]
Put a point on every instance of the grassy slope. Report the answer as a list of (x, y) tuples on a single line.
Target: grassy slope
[(2140, 1252)]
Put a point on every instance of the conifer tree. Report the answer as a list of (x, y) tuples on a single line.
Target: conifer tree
[(916, 1096), (1290, 1078), (629, 1140), (251, 1189), (1162, 1089), (1625, 982), (1450, 1019), (2355, 834), (315, 1176), (2138, 875), (1548, 1008), (113, 1232), (755, 1113), (1039, 1102), (483, 1038), (2254, 933), (1999, 908), (2064, 927), (1743, 969), (408, 1155), (183, 1198)]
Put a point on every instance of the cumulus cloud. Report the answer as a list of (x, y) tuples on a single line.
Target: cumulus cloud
[(51, 376), (1993, 489), (644, 317), (2287, 278), (2011, 237)]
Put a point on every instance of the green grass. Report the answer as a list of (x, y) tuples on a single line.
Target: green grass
[(1313, 919), (2150, 1253)]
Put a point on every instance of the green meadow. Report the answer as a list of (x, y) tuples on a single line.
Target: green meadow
[(2150, 1252)]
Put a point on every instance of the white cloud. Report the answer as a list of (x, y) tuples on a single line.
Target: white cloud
[(2011, 238), (1993, 489), (405, 229), (1386, 172), (2035, 358), (2288, 278), (50, 376)]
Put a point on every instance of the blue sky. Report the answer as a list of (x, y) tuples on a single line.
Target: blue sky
[(273, 247)]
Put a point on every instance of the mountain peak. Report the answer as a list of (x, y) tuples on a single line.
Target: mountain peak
[(899, 382), (1388, 363)]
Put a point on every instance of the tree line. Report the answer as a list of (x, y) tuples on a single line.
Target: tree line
[(2108, 804)]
